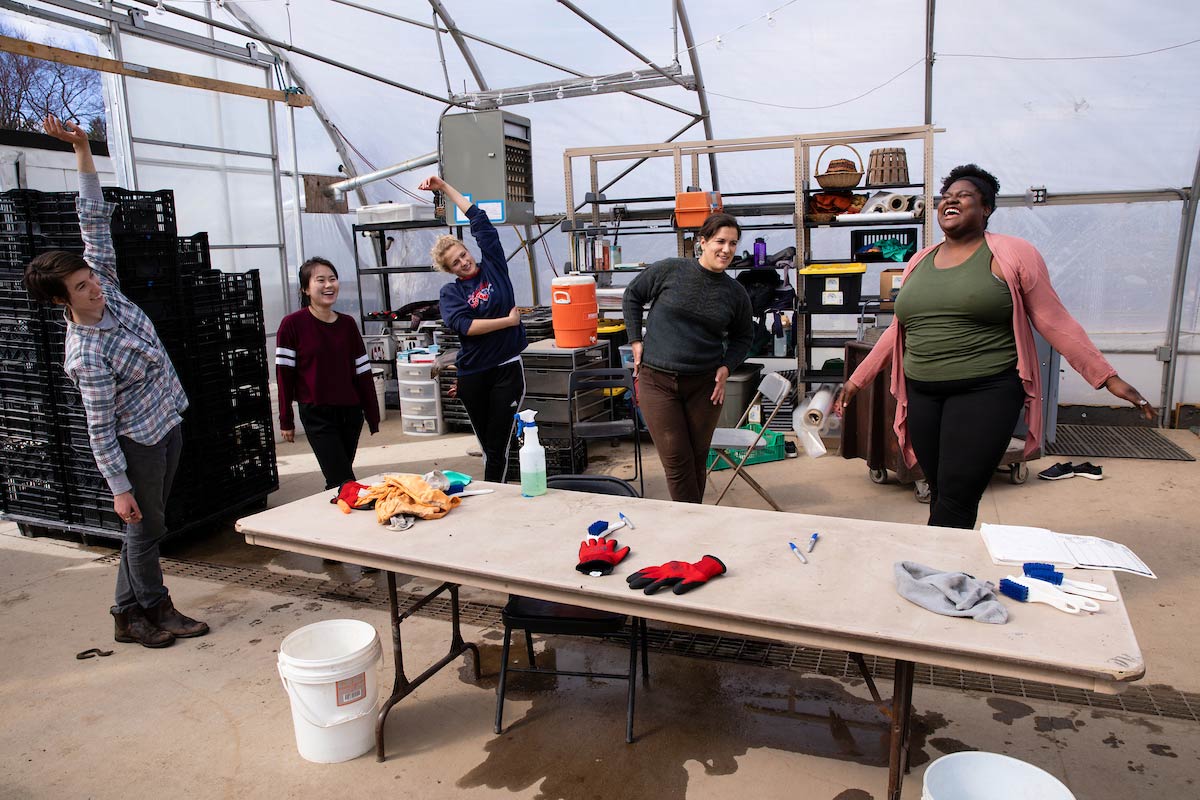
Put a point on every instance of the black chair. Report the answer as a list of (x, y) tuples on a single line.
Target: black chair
[(593, 383), (547, 617)]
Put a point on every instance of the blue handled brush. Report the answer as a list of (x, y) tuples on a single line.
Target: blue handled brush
[(1025, 593)]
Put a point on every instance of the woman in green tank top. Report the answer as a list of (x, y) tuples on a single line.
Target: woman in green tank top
[(962, 334)]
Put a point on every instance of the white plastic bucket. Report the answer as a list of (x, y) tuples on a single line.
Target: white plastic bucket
[(989, 776), (330, 671)]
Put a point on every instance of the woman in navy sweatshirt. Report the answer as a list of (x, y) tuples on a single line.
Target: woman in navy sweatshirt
[(481, 307)]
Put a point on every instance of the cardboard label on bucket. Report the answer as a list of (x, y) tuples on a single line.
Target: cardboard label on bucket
[(351, 690)]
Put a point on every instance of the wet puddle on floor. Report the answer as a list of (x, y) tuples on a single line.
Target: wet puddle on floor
[(708, 714)]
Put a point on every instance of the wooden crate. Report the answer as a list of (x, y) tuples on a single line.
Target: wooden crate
[(887, 166)]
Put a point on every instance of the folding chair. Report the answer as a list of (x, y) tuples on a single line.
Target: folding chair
[(773, 387), (547, 617), (582, 381)]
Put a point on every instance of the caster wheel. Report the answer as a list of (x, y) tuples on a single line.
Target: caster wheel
[(878, 476), (1018, 473)]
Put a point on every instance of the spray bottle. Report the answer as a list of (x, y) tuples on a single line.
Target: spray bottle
[(532, 455)]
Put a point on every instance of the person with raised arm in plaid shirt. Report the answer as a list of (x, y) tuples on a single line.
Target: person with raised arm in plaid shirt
[(131, 396)]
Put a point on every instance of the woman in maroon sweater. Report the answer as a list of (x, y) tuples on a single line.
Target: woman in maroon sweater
[(322, 365)]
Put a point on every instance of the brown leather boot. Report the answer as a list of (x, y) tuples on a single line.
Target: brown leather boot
[(166, 617), (132, 626)]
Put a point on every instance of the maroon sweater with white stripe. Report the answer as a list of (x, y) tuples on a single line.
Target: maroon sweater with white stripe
[(323, 363)]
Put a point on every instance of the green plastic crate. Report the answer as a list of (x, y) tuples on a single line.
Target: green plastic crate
[(772, 450)]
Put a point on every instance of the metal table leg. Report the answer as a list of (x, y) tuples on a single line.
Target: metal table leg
[(901, 719), (402, 686)]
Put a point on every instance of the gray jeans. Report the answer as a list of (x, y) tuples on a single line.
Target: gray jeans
[(151, 470)]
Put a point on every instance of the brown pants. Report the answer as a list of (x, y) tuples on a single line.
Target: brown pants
[(681, 418)]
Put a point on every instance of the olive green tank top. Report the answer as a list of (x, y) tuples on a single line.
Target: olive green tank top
[(958, 322)]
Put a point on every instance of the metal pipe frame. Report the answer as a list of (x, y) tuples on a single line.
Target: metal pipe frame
[(144, 29), (204, 147), (701, 95), (504, 48), (342, 187), (595, 23), (456, 34), (279, 45), (1187, 224)]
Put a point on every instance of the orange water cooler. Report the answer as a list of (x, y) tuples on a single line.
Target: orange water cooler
[(574, 310)]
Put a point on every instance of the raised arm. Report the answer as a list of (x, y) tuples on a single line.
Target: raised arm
[(434, 183), (94, 213)]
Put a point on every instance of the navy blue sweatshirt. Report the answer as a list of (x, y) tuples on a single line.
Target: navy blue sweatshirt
[(488, 295)]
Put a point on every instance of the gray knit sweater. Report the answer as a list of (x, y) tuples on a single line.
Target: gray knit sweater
[(699, 320)]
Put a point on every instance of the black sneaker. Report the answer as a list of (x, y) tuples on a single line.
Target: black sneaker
[(1090, 471), (789, 449), (1058, 472)]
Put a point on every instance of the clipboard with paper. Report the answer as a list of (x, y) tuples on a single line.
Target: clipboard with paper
[(1020, 544)]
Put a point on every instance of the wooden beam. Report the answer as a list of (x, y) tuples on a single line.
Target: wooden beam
[(72, 58)]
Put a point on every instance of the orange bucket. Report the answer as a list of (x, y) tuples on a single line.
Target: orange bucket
[(574, 311)]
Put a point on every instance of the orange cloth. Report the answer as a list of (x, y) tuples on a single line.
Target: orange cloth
[(407, 494), (836, 203)]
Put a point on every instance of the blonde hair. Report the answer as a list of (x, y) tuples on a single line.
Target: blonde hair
[(439, 249)]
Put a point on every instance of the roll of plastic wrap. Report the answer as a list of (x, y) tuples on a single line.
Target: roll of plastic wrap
[(812, 419), (881, 216), (818, 407), (882, 202)]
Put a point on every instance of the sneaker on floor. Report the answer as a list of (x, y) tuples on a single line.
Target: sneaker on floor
[(1090, 471), (1058, 472), (789, 449)]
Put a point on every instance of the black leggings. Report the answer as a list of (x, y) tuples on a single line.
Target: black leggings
[(333, 433), (960, 431), (491, 398)]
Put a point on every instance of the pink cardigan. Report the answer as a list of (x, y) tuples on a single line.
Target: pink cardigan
[(1034, 301)]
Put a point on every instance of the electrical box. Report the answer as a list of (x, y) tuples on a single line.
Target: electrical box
[(487, 156)]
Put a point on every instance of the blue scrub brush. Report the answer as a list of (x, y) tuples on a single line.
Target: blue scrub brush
[(601, 528), (1025, 593)]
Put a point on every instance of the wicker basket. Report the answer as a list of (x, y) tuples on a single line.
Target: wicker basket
[(819, 219), (838, 180), (887, 166)]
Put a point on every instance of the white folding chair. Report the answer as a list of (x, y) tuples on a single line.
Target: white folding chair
[(773, 387)]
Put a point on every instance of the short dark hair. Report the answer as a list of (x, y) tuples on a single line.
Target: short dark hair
[(46, 276), (306, 271), (714, 223), (984, 181)]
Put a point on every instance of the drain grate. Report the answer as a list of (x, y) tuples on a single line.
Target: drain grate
[(1157, 700), (1112, 441)]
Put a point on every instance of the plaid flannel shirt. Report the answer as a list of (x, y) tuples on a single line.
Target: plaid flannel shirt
[(127, 381)]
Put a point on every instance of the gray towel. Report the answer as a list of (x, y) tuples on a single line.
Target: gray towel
[(955, 594)]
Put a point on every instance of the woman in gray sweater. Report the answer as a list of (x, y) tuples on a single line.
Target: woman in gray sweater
[(698, 330)]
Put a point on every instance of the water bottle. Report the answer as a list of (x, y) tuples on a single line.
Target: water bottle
[(760, 252), (532, 456)]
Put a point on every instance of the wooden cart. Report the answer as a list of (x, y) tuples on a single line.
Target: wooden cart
[(867, 433)]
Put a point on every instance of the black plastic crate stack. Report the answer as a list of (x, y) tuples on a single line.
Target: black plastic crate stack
[(211, 325), (30, 457), (558, 455), (454, 413), (229, 450)]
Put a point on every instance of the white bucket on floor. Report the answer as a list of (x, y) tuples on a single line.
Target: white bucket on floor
[(330, 671), (989, 776)]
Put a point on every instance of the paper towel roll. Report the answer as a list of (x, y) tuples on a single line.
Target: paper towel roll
[(918, 205)]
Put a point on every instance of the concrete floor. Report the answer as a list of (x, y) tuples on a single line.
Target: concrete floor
[(209, 717)]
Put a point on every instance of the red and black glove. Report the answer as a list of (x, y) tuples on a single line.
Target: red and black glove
[(600, 555), (680, 574), (348, 496)]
